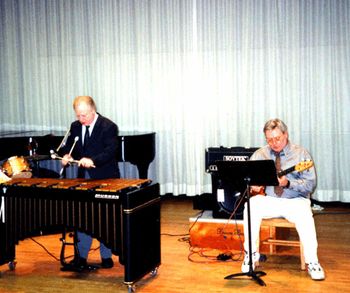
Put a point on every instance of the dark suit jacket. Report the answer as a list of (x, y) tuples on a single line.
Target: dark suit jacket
[(101, 148)]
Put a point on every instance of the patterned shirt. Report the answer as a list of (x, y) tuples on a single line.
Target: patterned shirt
[(302, 184)]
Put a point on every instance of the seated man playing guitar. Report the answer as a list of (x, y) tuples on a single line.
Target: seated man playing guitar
[(290, 200)]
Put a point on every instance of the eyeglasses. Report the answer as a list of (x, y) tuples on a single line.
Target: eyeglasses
[(276, 139)]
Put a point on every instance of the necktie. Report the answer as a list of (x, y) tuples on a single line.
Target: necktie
[(86, 136), (278, 189)]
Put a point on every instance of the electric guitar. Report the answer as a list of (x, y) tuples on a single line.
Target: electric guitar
[(300, 167)]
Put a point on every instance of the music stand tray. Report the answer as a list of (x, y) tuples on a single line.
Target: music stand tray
[(258, 172)]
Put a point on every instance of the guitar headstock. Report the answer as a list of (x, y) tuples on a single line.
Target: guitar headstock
[(302, 166)]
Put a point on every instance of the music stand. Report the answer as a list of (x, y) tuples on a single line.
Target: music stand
[(259, 172)]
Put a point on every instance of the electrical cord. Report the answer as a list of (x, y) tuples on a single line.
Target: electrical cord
[(225, 255), (52, 255)]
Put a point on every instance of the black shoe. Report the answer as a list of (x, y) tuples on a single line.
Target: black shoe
[(107, 263)]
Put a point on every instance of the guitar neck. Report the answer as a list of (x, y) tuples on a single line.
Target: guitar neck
[(285, 172), (302, 166)]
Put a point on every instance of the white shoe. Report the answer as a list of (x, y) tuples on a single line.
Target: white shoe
[(255, 261), (315, 271)]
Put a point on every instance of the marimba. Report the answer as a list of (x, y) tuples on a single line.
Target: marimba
[(124, 214)]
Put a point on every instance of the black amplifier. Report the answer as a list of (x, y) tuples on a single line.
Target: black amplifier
[(214, 154), (226, 195)]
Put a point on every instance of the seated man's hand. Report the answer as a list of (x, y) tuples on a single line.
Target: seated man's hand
[(255, 189)]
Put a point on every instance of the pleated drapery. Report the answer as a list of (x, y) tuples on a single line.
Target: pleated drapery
[(199, 73)]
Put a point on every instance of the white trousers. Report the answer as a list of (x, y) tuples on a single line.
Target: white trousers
[(296, 210)]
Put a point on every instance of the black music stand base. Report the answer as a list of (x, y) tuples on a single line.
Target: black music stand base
[(254, 275)]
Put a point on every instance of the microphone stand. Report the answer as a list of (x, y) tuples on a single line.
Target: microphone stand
[(63, 172), (63, 142), (63, 169), (74, 265), (255, 275)]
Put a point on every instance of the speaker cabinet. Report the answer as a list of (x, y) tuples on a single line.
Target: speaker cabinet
[(227, 197)]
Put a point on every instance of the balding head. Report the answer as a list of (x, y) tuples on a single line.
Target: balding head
[(85, 109), (86, 100)]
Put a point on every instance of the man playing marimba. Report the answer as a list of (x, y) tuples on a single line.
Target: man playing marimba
[(93, 142)]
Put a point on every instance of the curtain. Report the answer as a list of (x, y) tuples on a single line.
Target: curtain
[(199, 73)]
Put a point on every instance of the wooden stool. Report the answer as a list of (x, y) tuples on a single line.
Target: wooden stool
[(272, 242)]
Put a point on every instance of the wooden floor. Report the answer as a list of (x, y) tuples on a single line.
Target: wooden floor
[(181, 269)]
